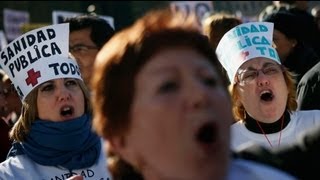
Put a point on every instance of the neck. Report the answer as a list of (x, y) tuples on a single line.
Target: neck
[(251, 124)]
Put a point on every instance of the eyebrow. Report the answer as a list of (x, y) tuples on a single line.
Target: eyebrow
[(263, 66), (47, 82), (78, 44)]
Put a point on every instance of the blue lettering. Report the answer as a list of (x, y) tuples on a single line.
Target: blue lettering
[(254, 28), (273, 53), (265, 41), (263, 28), (240, 31), (261, 49), (245, 30)]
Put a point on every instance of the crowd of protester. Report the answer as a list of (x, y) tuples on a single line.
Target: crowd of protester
[(167, 99)]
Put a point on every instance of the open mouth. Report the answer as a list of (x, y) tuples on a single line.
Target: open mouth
[(67, 111), (266, 96), (207, 134)]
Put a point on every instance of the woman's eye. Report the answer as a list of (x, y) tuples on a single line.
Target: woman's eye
[(247, 75), (270, 70), (168, 86), (47, 87), (210, 81), (71, 83)]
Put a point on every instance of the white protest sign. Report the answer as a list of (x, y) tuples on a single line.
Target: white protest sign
[(200, 8), (38, 56), (60, 16), (244, 42), (12, 21), (3, 40)]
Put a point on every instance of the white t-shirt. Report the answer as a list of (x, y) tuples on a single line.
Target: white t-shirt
[(300, 121)]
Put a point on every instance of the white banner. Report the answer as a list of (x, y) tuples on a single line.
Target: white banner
[(38, 56), (200, 8), (3, 40), (12, 21), (244, 42)]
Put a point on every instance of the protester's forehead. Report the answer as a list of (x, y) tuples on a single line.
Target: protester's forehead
[(58, 79), (257, 61)]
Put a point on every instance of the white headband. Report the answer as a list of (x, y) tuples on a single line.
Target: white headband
[(244, 42), (38, 56)]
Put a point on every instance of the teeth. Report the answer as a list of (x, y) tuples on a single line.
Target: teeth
[(66, 108), (265, 91), (66, 111)]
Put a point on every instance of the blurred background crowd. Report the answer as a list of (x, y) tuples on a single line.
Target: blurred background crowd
[(22, 16)]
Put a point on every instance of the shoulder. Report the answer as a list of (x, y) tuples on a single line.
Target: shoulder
[(300, 158), (237, 124), (238, 128), (15, 168), (309, 114), (305, 119), (14, 161)]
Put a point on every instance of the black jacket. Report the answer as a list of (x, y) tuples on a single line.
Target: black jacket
[(301, 60), (308, 89)]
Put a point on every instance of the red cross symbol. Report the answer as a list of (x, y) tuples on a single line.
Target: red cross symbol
[(32, 77)]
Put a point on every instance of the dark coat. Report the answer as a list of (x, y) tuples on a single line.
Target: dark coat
[(301, 60), (308, 89)]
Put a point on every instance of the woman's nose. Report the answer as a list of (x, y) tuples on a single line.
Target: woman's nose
[(198, 96), (262, 79), (63, 94)]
